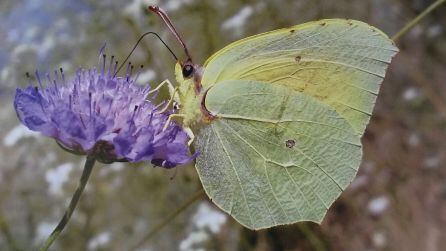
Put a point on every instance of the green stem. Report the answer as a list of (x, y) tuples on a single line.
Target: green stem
[(88, 167), (417, 19), (168, 219)]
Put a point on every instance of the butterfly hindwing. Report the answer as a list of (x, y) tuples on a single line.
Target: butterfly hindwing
[(274, 156)]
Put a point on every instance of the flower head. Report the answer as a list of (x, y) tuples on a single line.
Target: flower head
[(99, 114)]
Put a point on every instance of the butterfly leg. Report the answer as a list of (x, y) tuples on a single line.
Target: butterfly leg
[(191, 135), (165, 82), (169, 119), (172, 98)]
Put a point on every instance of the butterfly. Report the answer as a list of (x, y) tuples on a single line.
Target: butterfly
[(278, 117)]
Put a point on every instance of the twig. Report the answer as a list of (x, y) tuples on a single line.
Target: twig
[(89, 163), (168, 219), (417, 19)]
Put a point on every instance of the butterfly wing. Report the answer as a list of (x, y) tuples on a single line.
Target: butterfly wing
[(339, 62), (291, 107), (273, 156)]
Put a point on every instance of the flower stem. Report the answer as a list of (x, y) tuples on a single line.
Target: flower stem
[(169, 218), (88, 167), (417, 19)]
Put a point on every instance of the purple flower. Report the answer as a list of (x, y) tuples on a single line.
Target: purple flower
[(105, 116)]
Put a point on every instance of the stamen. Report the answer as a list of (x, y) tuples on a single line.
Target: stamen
[(38, 80), (55, 80), (89, 103), (28, 77), (130, 73), (103, 63), (63, 75), (134, 111), (94, 108), (115, 68), (110, 65), (56, 88), (82, 121), (151, 117), (47, 75), (139, 72), (127, 71)]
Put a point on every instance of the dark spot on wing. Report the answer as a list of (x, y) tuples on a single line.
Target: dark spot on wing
[(292, 31), (290, 143), (298, 58)]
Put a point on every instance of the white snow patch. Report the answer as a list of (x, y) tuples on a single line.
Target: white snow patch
[(411, 93), (359, 181), (368, 166), (61, 23), (23, 48), (66, 66), (174, 5), (431, 162), (17, 133), (192, 239), (31, 32), (57, 177), (47, 45), (434, 31), (145, 77), (204, 220), (5, 73), (239, 19), (377, 205), (207, 217), (379, 240), (99, 240), (44, 229), (116, 167), (136, 7), (416, 31), (112, 168), (414, 140)]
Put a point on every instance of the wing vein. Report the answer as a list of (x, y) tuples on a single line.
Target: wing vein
[(235, 171)]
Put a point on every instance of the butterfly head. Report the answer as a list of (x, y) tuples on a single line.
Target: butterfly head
[(189, 74)]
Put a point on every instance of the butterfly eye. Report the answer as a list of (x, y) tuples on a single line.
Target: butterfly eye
[(188, 70)]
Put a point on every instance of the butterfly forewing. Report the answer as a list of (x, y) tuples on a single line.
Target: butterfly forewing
[(339, 62)]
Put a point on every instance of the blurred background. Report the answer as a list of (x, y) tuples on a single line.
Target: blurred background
[(397, 201)]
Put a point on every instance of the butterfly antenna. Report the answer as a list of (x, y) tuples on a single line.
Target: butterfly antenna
[(160, 12), (136, 45)]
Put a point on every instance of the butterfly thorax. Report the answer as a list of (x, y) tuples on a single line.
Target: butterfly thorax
[(190, 99)]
